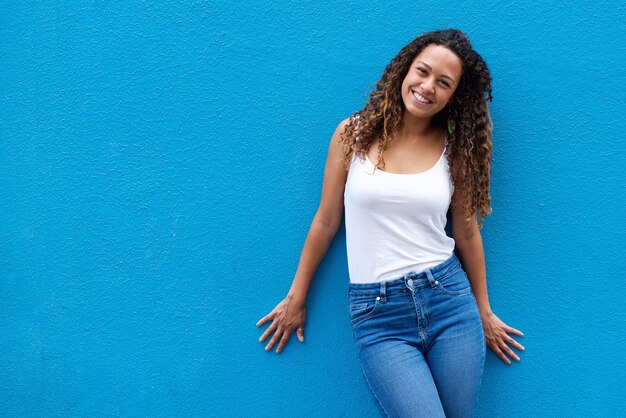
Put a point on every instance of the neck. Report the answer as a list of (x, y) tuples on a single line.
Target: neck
[(414, 129)]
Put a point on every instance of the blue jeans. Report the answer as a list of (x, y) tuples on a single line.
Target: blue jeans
[(420, 342)]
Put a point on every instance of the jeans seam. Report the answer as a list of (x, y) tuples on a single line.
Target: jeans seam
[(382, 408), (482, 370), (454, 293), (370, 388), (366, 316)]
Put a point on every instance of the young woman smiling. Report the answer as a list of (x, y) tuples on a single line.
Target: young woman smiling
[(420, 314)]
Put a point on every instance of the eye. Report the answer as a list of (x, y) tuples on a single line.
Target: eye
[(421, 70)]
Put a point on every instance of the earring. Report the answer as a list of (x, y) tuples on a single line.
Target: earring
[(450, 126)]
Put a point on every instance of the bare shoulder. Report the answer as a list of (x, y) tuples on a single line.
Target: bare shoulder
[(331, 205), (335, 148), (339, 130)]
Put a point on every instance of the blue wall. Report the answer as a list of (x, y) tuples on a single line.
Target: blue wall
[(161, 165)]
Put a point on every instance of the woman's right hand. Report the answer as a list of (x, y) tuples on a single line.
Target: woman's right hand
[(286, 317)]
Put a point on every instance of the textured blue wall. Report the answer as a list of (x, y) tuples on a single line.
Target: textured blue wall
[(161, 165)]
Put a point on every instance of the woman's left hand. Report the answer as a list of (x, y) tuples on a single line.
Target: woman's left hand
[(497, 337)]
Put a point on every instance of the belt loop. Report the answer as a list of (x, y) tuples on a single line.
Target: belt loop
[(383, 291), (431, 279)]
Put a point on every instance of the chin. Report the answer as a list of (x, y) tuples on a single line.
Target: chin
[(421, 113)]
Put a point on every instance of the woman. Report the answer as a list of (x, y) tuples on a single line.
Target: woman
[(420, 315)]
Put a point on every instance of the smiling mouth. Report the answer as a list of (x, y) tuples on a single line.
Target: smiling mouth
[(421, 98)]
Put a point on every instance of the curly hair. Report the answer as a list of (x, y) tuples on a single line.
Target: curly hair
[(467, 114)]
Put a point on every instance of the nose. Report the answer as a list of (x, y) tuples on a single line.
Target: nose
[(428, 86)]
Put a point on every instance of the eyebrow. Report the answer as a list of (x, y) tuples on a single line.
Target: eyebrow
[(443, 75)]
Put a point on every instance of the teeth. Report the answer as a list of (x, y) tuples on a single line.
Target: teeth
[(421, 98)]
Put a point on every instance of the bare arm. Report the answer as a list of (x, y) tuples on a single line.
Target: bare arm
[(290, 313), (469, 245), (326, 221)]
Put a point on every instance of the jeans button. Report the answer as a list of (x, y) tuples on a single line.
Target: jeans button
[(436, 281), (410, 282), (377, 297)]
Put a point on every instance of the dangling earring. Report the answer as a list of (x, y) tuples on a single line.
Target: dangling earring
[(450, 125)]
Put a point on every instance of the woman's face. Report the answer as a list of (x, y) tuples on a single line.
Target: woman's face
[(431, 80)]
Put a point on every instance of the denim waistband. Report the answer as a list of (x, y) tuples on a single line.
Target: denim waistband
[(417, 280)]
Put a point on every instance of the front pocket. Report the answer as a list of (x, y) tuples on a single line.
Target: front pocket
[(360, 310), (357, 306), (455, 284)]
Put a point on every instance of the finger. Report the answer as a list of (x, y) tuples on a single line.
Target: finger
[(514, 331), (500, 354), (514, 343), (268, 331), (266, 318), (283, 341), (300, 334), (507, 350), (275, 337)]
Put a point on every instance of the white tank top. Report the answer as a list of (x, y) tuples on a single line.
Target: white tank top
[(395, 223)]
